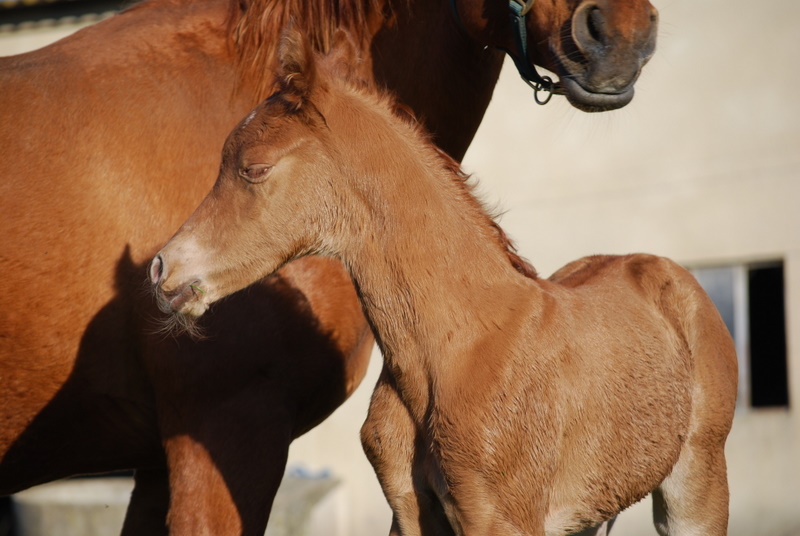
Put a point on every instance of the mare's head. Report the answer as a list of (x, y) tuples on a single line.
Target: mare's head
[(275, 172), (596, 47)]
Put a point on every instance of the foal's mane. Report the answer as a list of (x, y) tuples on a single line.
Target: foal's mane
[(466, 187), (463, 180), (254, 28)]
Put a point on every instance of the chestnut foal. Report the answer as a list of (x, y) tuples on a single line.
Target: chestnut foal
[(508, 404)]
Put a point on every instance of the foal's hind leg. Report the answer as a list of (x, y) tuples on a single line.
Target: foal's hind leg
[(693, 500)]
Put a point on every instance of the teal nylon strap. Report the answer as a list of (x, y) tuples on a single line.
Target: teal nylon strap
[(525, 67)]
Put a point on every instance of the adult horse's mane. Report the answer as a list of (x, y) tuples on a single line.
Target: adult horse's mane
[(254, 24)]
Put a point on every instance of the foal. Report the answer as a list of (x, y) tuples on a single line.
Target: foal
[(508, 404)]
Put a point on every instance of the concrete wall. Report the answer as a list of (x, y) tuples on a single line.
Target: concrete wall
[(703, 167)]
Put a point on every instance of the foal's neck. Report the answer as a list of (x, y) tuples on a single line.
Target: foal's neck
[(428, 264)]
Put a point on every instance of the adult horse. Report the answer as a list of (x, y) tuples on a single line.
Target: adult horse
[(109, 139)]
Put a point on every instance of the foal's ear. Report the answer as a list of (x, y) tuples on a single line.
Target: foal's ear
[(297, 74)]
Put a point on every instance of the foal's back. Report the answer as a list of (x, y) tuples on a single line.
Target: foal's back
[(657, 421)]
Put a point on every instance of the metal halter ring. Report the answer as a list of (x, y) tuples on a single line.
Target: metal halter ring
[(546, 85), (526, 68)]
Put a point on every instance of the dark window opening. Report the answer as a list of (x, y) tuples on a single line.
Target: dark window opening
[(766, 316)]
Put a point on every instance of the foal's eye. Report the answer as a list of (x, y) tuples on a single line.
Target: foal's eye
[(255, 173)]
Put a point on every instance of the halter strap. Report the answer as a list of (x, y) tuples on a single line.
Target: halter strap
[(526, 6), (518, 10), (525, 67)]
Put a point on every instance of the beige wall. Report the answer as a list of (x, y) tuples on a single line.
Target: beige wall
[(703, 166), (19, 38)]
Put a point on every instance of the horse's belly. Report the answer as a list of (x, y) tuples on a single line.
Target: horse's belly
[(618, 466)]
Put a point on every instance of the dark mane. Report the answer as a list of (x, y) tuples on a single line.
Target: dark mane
[(255, 26)]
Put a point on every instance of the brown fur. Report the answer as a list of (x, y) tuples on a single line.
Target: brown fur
[(255, 22), (109, 139), (507, 404)]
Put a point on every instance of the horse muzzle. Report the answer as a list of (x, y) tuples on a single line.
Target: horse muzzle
[(187, 298), (603, 55)]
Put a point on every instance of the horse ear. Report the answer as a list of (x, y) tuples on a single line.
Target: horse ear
[(344, 59), (297, 74)]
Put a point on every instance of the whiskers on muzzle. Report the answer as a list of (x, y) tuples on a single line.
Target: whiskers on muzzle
[(177, 324), (173, 323)]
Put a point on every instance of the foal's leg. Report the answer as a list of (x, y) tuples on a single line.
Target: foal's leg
[(398, 455), (693, 500), (387, 437)]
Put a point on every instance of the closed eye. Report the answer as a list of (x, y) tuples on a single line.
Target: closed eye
[(255, 173)]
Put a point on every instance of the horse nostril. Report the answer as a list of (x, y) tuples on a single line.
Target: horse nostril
[(589, 29), (594, 23), (156, 270)]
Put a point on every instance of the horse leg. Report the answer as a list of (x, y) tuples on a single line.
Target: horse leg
[(224, 484), (693, 500), (398, 455), (269, 369), (226, 437), (387, 437), (201, 501), (147, 511)]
